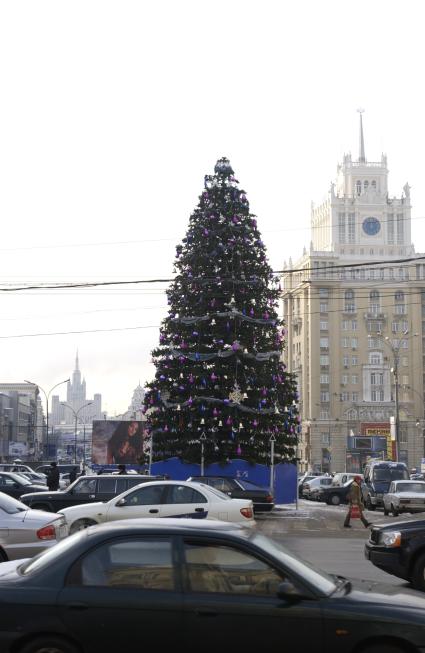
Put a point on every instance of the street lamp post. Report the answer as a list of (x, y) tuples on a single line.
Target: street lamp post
[(202, 439), (395, 350), (76, 412), (47, 395), (272, 440)]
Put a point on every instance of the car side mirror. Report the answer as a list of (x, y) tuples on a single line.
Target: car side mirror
[(121, 502), (287, 591)]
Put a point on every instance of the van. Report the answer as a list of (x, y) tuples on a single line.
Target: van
[(378, 476)]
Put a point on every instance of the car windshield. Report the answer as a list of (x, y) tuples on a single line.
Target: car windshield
[(389, 474), (316, 578), (48, 556), (410, 487), (10, 505), (247, 485)]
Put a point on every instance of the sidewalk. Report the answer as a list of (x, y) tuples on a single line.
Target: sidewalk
[(316, 518)]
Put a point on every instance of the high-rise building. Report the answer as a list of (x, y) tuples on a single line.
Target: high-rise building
[(75, 399), (354, 306)]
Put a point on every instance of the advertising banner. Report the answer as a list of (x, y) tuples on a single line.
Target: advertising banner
[(117, 442)]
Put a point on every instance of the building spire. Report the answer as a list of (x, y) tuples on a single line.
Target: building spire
[(362, 156), (77, 367)]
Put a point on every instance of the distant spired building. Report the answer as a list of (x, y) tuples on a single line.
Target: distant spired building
[(76, 398), (134, 411)]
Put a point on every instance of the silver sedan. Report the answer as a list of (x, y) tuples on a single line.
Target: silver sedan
[(24, 532), (405, 496)]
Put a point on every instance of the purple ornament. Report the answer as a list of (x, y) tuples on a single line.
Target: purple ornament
[(235, 345), (190, 401), (239, 450)]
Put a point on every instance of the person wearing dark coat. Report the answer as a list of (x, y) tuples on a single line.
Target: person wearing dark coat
[(53, 477), (122, 469), (355, 499), (73, 474)]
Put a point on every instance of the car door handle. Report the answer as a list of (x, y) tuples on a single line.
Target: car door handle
[(199, 510), (153, 510), (77, 605)]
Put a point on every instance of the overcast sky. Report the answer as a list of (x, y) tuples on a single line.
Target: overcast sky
[(112, 112)]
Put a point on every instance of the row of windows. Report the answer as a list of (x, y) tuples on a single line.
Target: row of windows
[(375, 358), (365, 185)]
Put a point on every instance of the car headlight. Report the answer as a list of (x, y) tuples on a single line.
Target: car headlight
[(390, 538)]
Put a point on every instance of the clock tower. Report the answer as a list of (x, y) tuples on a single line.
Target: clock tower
[(359, 218)]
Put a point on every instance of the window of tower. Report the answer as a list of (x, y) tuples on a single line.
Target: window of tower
[(374, 184), (365, 185), (359, 187)]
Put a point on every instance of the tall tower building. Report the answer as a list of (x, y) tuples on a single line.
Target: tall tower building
[(76, 398), (353, 306)]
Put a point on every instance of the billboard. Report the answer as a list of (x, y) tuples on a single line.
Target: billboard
[(117, 442)]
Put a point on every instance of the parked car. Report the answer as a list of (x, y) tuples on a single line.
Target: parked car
[(405, 496), (378, 476), (399, 549), (304, 478), (25, 532), (16, 485), (314, 488), (26, 469), (86, 489), (34, 478), (316, 481), (162, 499), (110, 586), (333, 495), (239, 488)]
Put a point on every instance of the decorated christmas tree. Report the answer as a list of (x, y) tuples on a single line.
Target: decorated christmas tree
[(220, 379)]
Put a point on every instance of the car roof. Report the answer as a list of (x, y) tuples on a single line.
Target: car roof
[(139, 525), (404, 480)]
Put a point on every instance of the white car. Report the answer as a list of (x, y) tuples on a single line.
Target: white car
[(24, 532), (405, 496), (162, 499), (316, 483)]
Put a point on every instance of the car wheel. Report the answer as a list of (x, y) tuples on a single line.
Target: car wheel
[(418, 575), (383, 648), (41, 506), (386, 511), (394, 511), (369, 504), (80, 525), (335, 500), (48, 644)]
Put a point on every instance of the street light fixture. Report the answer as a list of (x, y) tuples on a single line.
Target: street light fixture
[(47, 395), (76, 412)]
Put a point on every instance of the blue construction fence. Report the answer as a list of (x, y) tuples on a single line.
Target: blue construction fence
[(285, 474)]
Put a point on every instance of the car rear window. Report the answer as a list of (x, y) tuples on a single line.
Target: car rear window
[(247, 485)]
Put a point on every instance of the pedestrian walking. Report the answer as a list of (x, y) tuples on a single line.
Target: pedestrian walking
[(53, 477), (355, 507), (122, 469)]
